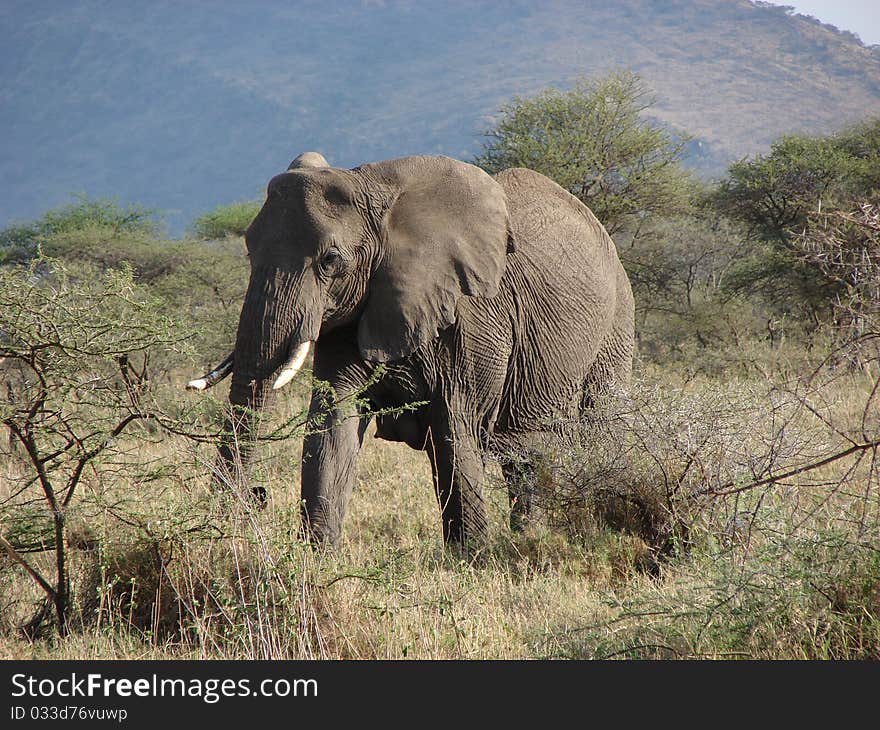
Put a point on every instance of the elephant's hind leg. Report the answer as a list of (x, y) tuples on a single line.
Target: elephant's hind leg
[(520, 476), (612, 368), (523, 459)]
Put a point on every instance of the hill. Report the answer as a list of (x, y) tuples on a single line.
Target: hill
[(185, 106)]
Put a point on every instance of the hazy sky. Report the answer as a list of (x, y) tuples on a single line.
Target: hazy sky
[(862, 17)]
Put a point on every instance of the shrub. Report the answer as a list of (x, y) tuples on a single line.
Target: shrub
[(768, 488), (226, 220), (99, 212), (652, 462), (19, 243)]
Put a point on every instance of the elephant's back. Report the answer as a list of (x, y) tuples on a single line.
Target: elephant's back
[(563, 258), (565, 284), (546, 215)]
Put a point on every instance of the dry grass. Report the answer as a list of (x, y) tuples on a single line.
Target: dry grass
[(168, 569)]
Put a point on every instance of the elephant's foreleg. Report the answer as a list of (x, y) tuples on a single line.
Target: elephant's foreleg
[(329, 465), (457, 464), (329, 471)]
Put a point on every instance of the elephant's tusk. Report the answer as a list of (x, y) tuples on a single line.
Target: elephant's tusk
[(214, 377), (293, 364)]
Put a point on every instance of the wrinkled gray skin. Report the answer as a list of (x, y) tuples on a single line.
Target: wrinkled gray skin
[(500, 301)]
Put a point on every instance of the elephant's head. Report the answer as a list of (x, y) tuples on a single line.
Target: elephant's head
[(388, 248)]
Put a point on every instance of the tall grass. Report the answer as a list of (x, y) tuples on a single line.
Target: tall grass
[(787, 569)]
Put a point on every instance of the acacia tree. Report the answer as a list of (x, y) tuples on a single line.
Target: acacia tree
[(843, 246), (74, 355), (595, 141), (775, 196)]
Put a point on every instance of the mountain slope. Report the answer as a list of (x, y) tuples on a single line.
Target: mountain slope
[(182, 106)]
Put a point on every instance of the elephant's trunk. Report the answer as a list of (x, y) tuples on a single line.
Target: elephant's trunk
[(273, 330), (240, 430), (247, 397)]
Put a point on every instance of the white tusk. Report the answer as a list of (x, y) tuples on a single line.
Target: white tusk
[(215, 376), (292, 366)]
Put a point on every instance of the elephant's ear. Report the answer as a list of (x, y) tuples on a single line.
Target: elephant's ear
[(445, 235)]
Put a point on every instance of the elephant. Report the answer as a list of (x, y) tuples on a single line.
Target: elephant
[(496, 303)]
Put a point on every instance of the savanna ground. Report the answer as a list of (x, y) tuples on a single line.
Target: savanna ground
[(726, 506), (166, 567)]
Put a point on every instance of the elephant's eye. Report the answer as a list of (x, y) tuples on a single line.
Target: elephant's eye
[(331, 261)]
